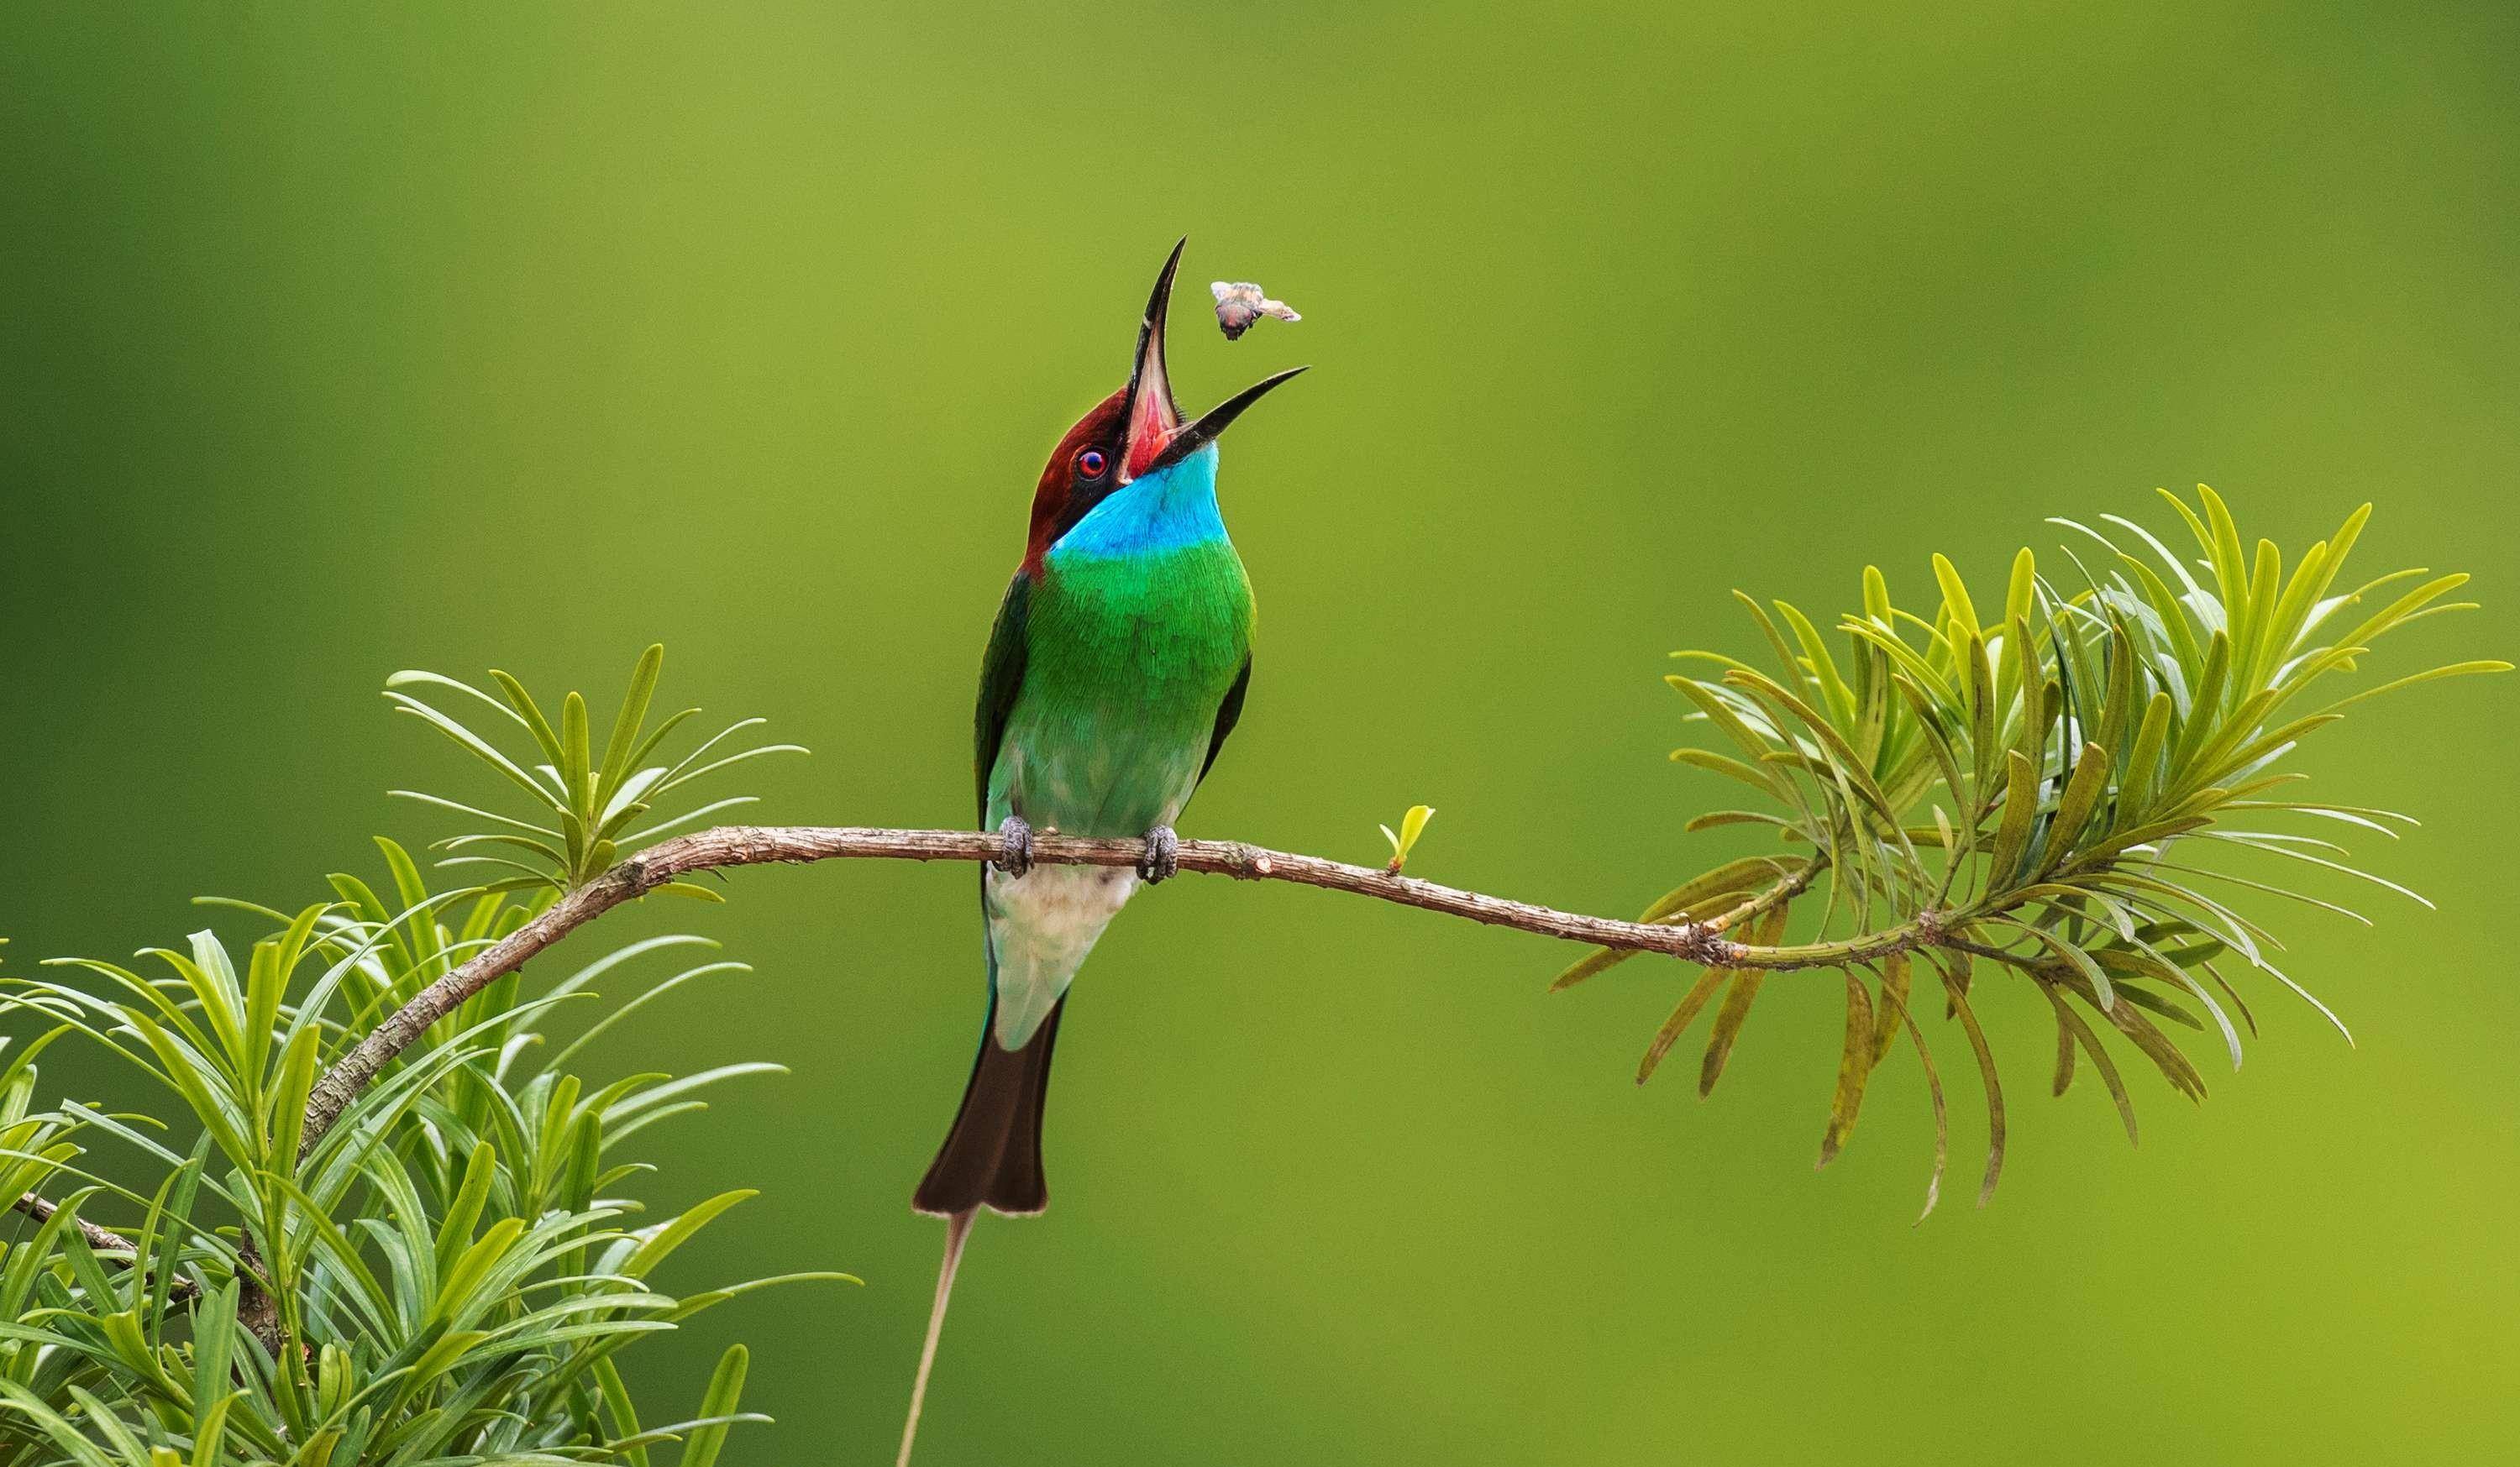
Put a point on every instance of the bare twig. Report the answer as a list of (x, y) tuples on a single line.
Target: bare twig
[(106, 1242), (1701, 943), (756, 845)]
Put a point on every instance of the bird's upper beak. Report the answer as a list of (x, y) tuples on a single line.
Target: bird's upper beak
[(1156, 434)]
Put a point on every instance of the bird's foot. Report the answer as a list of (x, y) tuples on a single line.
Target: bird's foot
[(1162, 857), (1015, 833)]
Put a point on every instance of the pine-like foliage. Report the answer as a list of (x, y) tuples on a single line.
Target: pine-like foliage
[(2039, 787), (584, 807), (448, 1276)]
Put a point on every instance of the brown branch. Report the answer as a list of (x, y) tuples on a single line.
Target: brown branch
[(1701, 943), (756, 845), (104, 1240)]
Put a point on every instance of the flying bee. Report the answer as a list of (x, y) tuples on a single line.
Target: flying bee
[(1238, 303)]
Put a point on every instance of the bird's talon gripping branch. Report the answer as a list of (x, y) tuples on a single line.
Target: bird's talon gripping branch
[(1016, 857), (1162, 859)]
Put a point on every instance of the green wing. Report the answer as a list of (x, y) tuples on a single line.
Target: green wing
[(1228, 714), (1002, 672)]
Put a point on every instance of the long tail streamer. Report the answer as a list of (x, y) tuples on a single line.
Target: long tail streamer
[(957, 1231)]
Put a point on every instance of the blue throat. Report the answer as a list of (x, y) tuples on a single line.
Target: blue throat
[(1171, 508)]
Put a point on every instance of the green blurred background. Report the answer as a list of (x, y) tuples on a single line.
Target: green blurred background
[(340, 341)]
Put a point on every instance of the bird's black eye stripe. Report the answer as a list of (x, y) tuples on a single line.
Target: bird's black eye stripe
[(1091, 464)]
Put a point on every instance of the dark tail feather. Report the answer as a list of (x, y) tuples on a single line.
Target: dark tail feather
[(992, 1157)]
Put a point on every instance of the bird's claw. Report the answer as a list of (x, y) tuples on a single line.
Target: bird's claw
[(1162, 858), (1016, 835)]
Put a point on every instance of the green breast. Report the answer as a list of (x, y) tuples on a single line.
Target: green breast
[(1126, 661)]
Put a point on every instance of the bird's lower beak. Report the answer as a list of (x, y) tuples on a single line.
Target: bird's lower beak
[(1156, 434)]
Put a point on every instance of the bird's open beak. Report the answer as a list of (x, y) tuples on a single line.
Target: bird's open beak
[(1156, 434)]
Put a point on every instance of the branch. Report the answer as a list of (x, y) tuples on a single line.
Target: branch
[(105, 1241), (1701, 943)]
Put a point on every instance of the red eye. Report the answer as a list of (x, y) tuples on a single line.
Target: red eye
[(1091, 463)]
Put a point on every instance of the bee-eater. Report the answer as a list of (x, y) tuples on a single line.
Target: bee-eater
[(1115, 672)]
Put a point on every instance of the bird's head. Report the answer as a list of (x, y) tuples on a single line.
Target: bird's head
[(1135, 434)]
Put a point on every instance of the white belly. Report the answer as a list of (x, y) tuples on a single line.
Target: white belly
[(1041, 927)]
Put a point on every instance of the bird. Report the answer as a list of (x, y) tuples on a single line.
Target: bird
[(1115, 673)]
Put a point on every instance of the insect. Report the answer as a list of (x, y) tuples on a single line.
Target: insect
[(1238, 303)]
